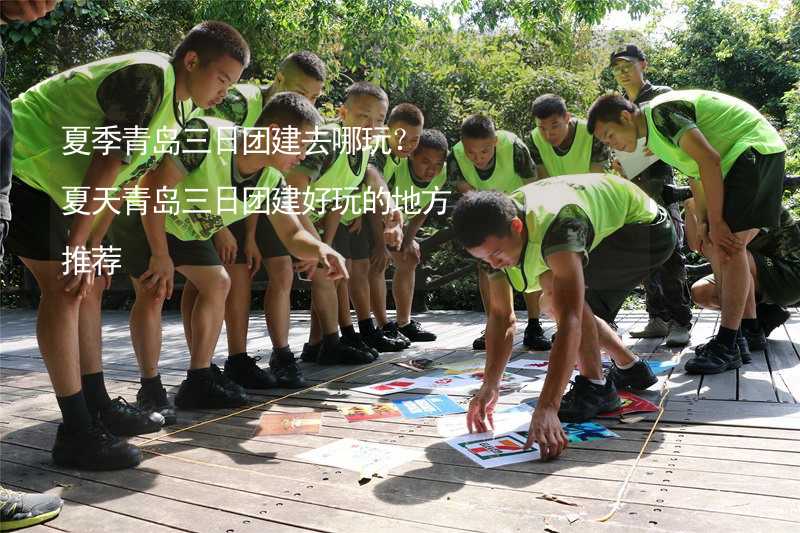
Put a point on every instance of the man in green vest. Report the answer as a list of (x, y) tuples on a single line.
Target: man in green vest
[(669, 303), (774, 267), (230, 173), (405, 131), (327, 180), (560, 143), (417, 182), (134, 98), (736, 161), (588, 240), (247, 244), (496, 160)]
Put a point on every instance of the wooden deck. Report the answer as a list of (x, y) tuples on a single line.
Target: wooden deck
[(725, 455)]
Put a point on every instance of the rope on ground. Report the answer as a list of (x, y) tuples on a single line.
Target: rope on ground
[(269, 402), (618, 501)]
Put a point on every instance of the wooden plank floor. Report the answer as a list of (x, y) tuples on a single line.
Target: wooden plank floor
[(725, 455)]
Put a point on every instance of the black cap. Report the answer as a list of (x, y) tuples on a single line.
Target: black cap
[(628, 52)]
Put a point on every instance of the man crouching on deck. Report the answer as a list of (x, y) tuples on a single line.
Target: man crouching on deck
[(586, 241)]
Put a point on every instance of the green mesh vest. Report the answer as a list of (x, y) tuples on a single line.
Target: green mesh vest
[(577, 160), (504, 178), (410, 197)]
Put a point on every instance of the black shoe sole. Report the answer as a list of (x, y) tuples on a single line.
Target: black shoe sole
[(733, 365)]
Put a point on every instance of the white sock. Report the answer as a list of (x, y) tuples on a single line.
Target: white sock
[(601, 382), (629, 365)]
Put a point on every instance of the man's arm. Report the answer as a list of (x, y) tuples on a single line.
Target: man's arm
[(102, 171), (305, 246), (392, 217), (300, 180)]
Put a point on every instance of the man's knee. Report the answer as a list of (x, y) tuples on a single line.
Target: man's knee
[(704, 294), (280, 274)]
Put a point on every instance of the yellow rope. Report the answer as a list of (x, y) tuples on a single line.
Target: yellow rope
[(618, 502)]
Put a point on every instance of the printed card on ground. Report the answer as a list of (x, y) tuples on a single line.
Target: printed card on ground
[(529, 364), (515, 418), (356, 413), (390, 387), (660, 367), (366, 458), (630, 404), (492, 450), (587, 431), (430, 405), (288, 423)]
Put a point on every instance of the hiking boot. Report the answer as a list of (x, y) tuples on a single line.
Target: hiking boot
[(376, 339), (310, 352), (94, 449), (656, 327), (585, 400), (243, 370), (413, 330), (480, 342), (155, 399), (219, 377), (205, 393), (19, 509), (286, 371), (391, 330), (356, 341), (344, 354), (713, 358), (126, 420), (744, 348), (534, 338), (678, 335), (770, 316), (637, 377)]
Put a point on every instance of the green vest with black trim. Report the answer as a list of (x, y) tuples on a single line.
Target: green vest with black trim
[(341, 179), (215, 174), (504, 178), (609, 201), (577, 160), (410, 198), (730, 125), (43, 113), (251, 94)]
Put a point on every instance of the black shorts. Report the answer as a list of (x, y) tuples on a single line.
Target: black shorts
[(623, 260), (754, 191), (354, 245), (778, 280), (40, 229), (127, 233), (267, 240)]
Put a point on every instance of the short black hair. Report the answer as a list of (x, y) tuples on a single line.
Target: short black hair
[(477, 126), (433, 139), (607, 108), (405, 112), (365, 88), (289, 109), (212, 39), (479, 215), (306, 62), (548, 105)]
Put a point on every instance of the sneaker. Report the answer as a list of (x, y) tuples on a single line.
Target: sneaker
[(656, 327), (480, 342), (637, 377), (534, 338), (155, 399), (286, 371), (203, 393), (243, 370), (413, 330), (18, 509), (376, 339), (585, 400), (713, 358), (94, 449), (310, 352), (344, 354), (756, 340), (744, 349), (678, 335), (219, 377), (391, 330), (357, 341), (770, 316), (126, 420)]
